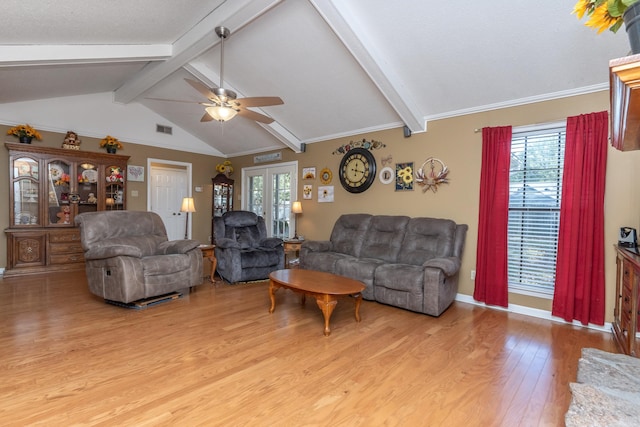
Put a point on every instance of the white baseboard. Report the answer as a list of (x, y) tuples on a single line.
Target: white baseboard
[(533, 312)]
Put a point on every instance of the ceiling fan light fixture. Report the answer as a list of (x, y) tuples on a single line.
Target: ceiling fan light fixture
[(221, 113)]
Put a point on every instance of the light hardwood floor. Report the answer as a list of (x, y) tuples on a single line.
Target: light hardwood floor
[(217, 357)]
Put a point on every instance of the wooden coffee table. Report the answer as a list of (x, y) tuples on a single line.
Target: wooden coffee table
[(324, 287)]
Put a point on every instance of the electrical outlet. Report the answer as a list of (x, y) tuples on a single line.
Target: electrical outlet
[(473, 275), (209, 239)]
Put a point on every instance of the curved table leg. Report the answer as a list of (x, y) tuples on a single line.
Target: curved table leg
[(272, 295), (326, 303), (358, 298)]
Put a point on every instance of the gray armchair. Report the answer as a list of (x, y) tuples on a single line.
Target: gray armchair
[(128, 256), (243, 250)]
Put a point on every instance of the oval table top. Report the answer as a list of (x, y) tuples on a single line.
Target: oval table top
[(317, 281)]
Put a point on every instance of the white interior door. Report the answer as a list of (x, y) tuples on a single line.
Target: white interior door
[(269, 191), (168, 186)]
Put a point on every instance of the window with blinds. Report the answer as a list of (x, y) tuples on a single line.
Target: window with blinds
[(535, 187)]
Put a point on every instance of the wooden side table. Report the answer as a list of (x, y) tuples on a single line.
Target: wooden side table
[(291, 246), (209, 253)]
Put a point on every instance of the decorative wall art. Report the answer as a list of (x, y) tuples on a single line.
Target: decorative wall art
[(308, 173), (325, 193), (387, 175), (386, 161), (367, 145), (326, 176), (307, 191), (135, 173), (404, 176), (432, 173)]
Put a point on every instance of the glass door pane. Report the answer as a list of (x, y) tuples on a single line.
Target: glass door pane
[(25, 191), (281, 204), (256, 192), (114, 189), (58, 192), (87, 187)]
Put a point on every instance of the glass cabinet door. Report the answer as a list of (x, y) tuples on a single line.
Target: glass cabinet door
[(114, 189), (26, 182), (87, 187), (59, 193)]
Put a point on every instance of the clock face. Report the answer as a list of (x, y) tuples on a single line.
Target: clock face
[(357, 170)]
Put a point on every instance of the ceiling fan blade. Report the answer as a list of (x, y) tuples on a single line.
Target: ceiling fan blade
[(259, 101), (255, 116), (206, 118), (204, 90)]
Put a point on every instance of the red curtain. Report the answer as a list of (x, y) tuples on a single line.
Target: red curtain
[(491, 258), (579, 288)]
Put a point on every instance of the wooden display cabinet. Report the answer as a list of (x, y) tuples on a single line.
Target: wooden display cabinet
[(48, 188), (627, 303), (624, 87), (222, 200)]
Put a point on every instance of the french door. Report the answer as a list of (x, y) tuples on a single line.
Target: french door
[(269, 191)]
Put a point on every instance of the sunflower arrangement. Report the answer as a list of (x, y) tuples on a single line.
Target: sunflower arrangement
[(225, 167), (603, 14), (24, 130), (109, 141)]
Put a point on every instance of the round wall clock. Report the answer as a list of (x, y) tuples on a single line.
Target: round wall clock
[(357, 170), (326, 176)]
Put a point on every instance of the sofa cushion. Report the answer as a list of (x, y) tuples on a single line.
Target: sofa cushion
[(165, 264), (247, 237), (400, 285), (349, 233), (259, 257), (427, 238), (384, 237), (362, 269)]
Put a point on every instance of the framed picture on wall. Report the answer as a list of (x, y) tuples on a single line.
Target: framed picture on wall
[(307, 192), (308, 173), (135, 173)]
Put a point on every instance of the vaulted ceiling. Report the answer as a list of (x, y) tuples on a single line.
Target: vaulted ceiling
[(342, 67)]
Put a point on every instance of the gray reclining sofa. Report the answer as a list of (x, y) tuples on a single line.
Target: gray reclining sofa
[(411, 263)]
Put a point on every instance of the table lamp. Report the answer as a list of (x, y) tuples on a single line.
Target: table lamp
[(187, 206), (296, 208)]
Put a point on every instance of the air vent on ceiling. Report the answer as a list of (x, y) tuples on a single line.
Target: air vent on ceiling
[(164, 129)]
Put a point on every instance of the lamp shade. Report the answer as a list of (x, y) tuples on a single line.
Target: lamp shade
[(221, 113), (188, 205), (296, 207)]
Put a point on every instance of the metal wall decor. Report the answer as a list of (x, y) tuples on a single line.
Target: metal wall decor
[(367, 145), (432, 173)]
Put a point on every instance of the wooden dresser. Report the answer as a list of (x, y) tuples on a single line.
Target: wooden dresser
[(625, 313)]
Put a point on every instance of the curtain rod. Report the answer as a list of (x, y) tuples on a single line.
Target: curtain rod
[(551, 124)]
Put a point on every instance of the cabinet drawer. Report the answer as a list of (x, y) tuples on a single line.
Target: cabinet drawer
[(66, 259), (64, 248), (71, 236)]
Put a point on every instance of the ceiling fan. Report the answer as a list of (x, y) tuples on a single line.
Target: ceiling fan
[(223, 104)]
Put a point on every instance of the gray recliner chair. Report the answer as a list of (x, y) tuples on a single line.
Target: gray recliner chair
[(243, 250), (128, 256)]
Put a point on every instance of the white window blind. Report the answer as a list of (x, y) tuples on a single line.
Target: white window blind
[(535, 187)]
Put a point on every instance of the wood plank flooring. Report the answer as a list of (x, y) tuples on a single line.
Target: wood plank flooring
[(217, 358)]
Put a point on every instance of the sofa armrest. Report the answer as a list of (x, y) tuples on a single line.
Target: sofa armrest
[(225, 243), (177, 247), (448, 265), (317, 245), (271, 242), (98, 251)]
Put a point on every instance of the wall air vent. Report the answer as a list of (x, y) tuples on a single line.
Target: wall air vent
[(164, 129)]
